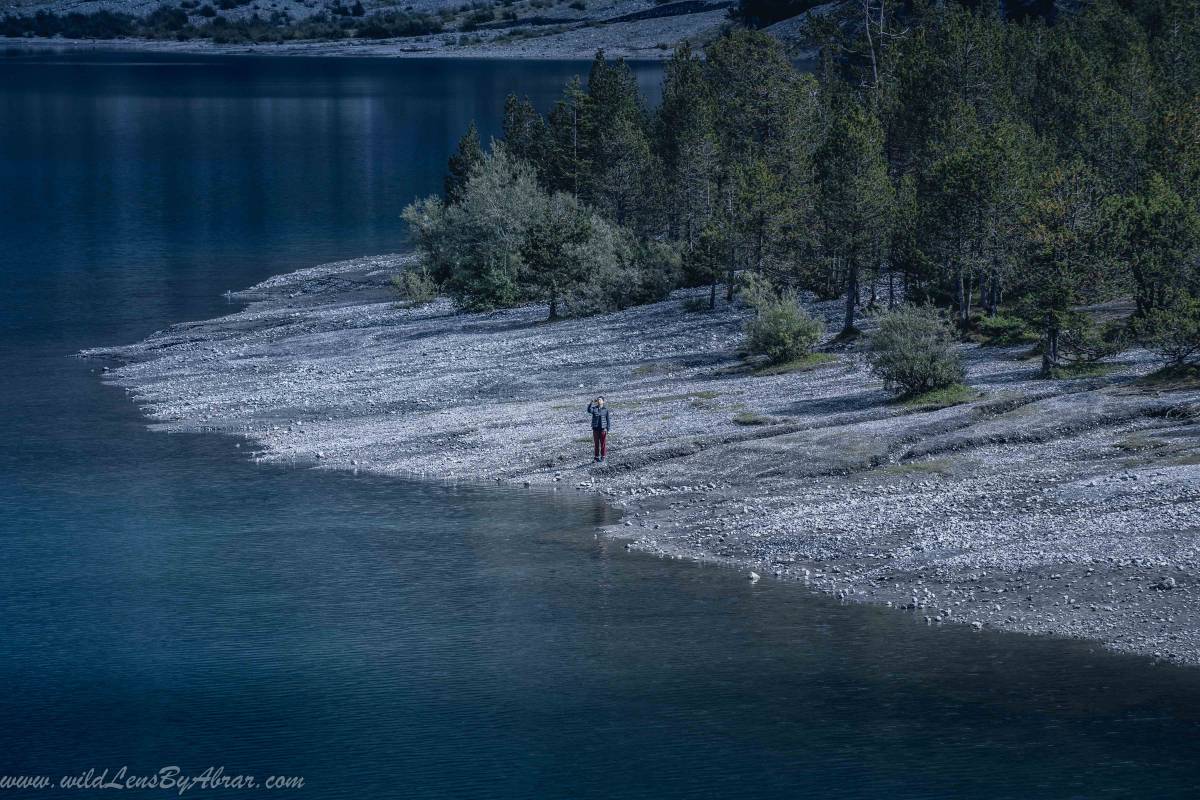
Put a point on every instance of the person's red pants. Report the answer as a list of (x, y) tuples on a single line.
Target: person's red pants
[(600, 442)]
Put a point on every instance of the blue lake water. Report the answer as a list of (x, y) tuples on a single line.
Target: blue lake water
[(165, 602)]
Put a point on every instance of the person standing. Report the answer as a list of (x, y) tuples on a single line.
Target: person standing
[(600, 425)]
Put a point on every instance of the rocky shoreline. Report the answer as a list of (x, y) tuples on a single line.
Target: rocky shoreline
[(1068, 508)]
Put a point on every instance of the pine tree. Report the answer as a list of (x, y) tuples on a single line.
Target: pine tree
[(970, 195), (767, 126), (938, 141), (705, 259), (1156, 235), (525, 132), (753, 85), (762, 210), (568, 161), (686, 145), (1174, 149), (548, 263), (616, 142), (465, 158), (1065, 266), (857, 200)]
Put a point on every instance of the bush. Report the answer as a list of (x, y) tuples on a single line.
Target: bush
[(1173, 332), (415, 287), (393, 24), (477, 18), (803, 364), (655, 273), (474, 246), (507, 241), (945, 397), (166, 19), (780, 329), (612, 270), (1004, 330), (913, 352), (761, 13), (1081, 341), (172, 23)]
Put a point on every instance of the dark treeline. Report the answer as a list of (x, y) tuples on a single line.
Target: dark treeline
[(193, 19), (762, 13), (1009, 171)]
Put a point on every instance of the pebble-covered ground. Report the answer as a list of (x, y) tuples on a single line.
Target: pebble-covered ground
[(1063, 507)]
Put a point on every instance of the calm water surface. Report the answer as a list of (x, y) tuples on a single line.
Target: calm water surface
[(164, 602)]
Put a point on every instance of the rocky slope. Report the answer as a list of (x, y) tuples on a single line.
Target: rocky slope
[(635, 29), (1059, 507)]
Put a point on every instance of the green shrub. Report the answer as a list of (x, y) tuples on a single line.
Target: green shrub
[(656, 271), (780, 329), (507, 241), (1173, 377), (415, 287), (913, 352), (392, 24), (1080, 370), (1004, 330), (1081, 341), (477, 18), (947, 396), (166, 18), (74, 25), (1173, 332), (802, 364)]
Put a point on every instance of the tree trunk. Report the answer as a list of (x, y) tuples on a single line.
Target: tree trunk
[(851, 296), (758, 250), (712, 295), (961, 298), (553, 304), (871, 41), (1050, 353), (732, 277), (575, 149)]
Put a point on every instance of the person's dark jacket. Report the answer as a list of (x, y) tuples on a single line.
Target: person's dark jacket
[(600, 418)]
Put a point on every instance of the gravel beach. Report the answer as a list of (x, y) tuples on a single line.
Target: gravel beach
[(1068, 508)]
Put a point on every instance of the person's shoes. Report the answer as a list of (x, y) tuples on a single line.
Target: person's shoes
[(595, 461)]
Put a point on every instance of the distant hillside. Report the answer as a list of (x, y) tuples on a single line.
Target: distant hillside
[(529, 28), (646, 29)]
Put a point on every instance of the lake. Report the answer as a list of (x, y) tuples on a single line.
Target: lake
[(166, 602)]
